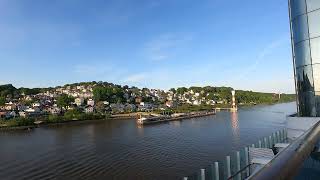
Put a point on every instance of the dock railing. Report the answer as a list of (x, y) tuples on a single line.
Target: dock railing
[(287, 163), (237, 165)]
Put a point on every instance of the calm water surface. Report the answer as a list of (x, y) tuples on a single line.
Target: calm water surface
[(119, 149)]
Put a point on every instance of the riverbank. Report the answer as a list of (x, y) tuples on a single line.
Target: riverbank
[(74, 116)]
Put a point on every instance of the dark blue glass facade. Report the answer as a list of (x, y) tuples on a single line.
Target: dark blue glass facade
[(305, 38)]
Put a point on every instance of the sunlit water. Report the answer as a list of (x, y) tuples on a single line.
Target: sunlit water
[(119, 149)]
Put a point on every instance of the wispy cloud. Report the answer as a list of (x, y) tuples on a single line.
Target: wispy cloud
[(89, 69), (136, 78), (164, 46), (245, 73)]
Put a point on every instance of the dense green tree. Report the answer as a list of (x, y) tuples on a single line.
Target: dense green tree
[(101, 107), (2, 101), (110, 94), (181, 90), (28, 91), (8, 90), (173, 90), (101, 93), (64, 101)]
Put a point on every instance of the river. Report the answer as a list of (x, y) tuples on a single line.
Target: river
[(119, 149)]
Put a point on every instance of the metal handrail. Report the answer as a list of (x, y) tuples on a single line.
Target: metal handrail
[(247, 167), (286, 164)]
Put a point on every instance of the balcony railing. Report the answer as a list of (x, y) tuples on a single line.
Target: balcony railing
[(238, 165), (286, 164)]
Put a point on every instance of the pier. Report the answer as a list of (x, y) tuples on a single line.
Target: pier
[(166, 118)]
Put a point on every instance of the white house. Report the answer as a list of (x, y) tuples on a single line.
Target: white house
[(89, 109), (36, 104), (211, 102), (196, 102), (55, 110), (79, 101), (90, 102)]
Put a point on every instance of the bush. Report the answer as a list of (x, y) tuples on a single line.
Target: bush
[(55, 119), (18, 122)]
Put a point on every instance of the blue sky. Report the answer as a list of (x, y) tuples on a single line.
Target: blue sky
[(147, 43)]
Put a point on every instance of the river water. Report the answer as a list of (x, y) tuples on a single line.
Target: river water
[(119, 149)]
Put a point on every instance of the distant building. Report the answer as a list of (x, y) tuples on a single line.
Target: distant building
[(117, 107), (55, 110), (79, 101), (211, 102), (10, 106), (36, 104), (3, 114), (145, 105), (89, 109), (138, 100), (196, 102), (171, 104), (31, 112), (90, 102)]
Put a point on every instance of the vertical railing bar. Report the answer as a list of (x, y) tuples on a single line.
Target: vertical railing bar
[(216, 167), (265, 142), (228, 174), (238, 165), (274, 138), (270, 142), (246, 151), (203, 174)]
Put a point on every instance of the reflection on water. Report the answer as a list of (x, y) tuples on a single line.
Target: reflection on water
[(176, 123), (119, 149), (235, 126)]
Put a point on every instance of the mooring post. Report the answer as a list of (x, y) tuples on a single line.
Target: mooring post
[(185, 178), (270, 142), (203, 174), (253, 145), (274, 138), (238, 165), (246, 159), (228, 168), (265, 143), (216, 171), (285, 135), (278, 137), (259, 144)]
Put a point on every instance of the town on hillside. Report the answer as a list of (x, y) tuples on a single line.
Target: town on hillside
[(108, 98)]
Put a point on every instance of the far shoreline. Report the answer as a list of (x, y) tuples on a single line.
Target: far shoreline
[(125, 116)]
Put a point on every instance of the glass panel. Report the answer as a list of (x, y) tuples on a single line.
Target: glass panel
[(316, 76), (304, 79), (297, 7), (315, 50), (313, 5), (307, 104), (314, 23), (317, 102), (300, 28), (302, 53)]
